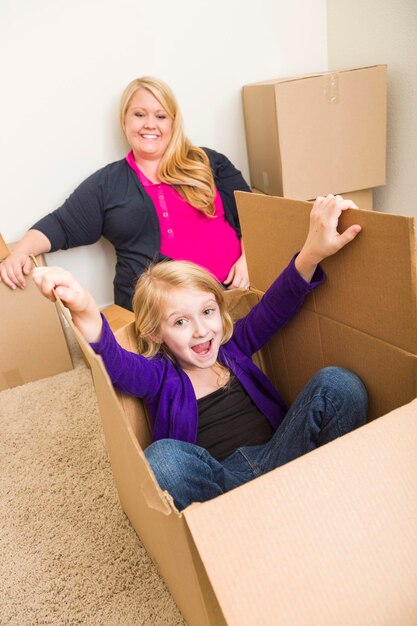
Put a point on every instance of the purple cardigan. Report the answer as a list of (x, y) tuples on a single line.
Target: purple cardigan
[(168, 391)]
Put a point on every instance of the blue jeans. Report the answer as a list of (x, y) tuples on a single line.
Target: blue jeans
[(332, 404)]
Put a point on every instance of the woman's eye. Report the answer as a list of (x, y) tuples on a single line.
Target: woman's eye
[(139, 114), (161, 117)]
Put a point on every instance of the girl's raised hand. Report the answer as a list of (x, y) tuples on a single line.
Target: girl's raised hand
[(323, 239), (84, 310)]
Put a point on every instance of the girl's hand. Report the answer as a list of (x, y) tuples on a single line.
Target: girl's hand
[(323, 239), (85, 313)]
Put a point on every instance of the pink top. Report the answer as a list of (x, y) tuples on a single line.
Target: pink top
[(187, 234)]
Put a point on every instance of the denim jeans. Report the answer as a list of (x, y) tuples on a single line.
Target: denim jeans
[(332, 404)]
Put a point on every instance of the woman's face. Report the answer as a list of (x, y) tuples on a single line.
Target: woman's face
[(148, 127)]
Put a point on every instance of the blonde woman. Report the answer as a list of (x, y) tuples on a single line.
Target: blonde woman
[(217, 421), (167, 199)]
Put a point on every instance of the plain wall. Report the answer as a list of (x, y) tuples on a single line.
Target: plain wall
[(65, 64), (367, 32)]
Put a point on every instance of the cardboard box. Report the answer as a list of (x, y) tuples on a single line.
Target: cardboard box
[(330, 538), (362, 198), (32, 339), (312, 135), (117, 316)]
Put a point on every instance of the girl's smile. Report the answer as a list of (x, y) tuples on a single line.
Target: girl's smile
[(192, 328)]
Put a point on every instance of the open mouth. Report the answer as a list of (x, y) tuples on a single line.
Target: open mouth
[(202, 348)]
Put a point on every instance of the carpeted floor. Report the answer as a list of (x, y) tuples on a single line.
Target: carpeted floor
[(68, 554)]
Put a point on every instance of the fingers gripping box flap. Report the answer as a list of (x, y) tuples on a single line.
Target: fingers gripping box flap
[(330, 538), (32, 339), (363, 317)]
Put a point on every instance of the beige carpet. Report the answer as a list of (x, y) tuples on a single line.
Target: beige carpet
[(68, 554)]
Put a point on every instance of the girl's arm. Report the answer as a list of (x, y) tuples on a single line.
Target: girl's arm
[(128, 371), (84, 310)]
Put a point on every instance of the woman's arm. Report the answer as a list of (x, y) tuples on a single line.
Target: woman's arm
[(18, 264), (78, 222)]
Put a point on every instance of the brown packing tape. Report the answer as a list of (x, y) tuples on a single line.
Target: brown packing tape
[(4, 250)]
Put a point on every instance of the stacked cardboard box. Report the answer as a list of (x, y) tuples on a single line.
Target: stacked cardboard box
[(330, 538), (318, 134), (32, 339)]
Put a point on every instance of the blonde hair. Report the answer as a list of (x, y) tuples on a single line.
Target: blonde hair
[(184, 166), (152, 289)]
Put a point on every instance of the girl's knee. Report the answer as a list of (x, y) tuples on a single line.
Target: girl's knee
[(345, 382), (168, 461)]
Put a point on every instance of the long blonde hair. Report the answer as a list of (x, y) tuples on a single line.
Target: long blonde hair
[(152, 289), (184, 166)]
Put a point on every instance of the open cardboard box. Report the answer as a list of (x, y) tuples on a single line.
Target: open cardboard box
[(316, 134), (331, 538), (32, 339)]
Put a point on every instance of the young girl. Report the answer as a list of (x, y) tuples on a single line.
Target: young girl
[(218, 422)]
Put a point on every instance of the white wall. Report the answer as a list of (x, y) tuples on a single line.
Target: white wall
[(366, 32), (65, 64)]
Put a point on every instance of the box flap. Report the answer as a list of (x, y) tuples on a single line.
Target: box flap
[(4, 250), (371, 283), (32, 339), (330, 538)]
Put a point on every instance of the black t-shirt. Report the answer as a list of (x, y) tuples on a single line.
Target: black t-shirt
[(228, 419)]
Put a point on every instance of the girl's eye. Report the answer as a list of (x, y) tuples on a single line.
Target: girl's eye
[(180, 322), (208, 311)]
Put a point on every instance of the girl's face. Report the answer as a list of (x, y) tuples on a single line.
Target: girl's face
[(148, 127), (192, 328)]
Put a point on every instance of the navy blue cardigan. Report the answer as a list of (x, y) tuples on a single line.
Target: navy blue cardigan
[(113, 203)]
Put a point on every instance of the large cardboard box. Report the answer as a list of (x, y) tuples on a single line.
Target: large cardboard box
[(32, 339), (312, 135), (331, 538)]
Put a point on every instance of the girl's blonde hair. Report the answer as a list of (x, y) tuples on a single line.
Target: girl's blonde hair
[(152, 289), (184, 166)]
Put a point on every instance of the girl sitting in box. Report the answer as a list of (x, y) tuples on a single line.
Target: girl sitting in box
[(218, 422)]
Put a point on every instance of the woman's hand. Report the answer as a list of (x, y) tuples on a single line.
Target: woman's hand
[(238, 275), (323, 239), (85, 313), (14, 268)]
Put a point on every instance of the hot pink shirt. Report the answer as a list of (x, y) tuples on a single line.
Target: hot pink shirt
[(187, 234)]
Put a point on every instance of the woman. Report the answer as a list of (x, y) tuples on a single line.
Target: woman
[(167, 199)]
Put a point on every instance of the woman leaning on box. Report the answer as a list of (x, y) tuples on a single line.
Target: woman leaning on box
[(166, 199)]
